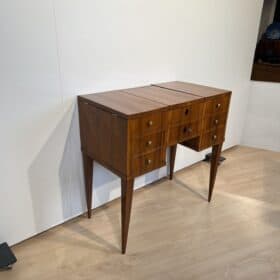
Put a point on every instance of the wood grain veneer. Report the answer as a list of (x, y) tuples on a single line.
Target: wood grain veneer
[(128, 131)]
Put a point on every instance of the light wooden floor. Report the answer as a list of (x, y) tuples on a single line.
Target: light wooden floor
[(174, 232)]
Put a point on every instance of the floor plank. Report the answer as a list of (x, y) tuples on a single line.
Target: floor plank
[(174, 233)]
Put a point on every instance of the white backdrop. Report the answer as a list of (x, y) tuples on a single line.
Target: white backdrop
[(262, 126), (51, 51)]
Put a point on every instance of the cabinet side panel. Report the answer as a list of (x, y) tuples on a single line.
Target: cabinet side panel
[(103, 137)]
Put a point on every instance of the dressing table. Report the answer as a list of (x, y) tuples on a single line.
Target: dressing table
[(128, 131)]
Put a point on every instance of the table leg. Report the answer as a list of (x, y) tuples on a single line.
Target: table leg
[(126, 200), (173, 150), (88, 174), (216, 152)]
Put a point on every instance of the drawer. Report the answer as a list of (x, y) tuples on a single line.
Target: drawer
[(186, 113), (183, 132), (149, 123), (214, 121), (147, 162), (217, 105), (147, 143), (212, 138)]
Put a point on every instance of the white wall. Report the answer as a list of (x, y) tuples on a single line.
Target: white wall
[(51, 51), (262, 128)]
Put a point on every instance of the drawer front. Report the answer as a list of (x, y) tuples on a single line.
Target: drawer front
[(183, 132), (147, 162), (150, 123), (147, 143), (186, 113), (212, 138), (214, 121), (217, 105)]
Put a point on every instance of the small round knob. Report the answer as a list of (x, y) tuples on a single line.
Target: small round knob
[(187, 129), (218, 105), (150, 123), (214, 137), (148, 161), (149, 143), (186, 111), (216, 121)]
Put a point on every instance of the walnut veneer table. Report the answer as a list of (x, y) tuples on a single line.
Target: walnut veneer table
[(128, 131)]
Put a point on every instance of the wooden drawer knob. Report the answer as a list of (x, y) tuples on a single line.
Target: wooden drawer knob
[(150, 123), (218, 105), (187, 111), (149, 143), (216, 121), (148, 161), (214, 137), (187, 129)]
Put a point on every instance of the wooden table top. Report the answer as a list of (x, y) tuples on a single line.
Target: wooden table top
[(133, 102), (198, 90), (123, 103), (161, 95)]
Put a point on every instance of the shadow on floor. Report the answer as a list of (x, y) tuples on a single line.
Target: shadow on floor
[(90, 236), (184, 185)]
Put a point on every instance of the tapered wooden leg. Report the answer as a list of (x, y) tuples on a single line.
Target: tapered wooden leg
[(216, 152), (173, 150), (88, 173), (127, 193)]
